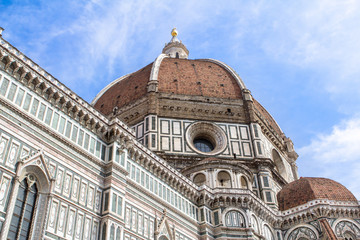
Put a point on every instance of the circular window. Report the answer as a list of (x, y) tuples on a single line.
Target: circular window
[(206, 138), (203, 145)]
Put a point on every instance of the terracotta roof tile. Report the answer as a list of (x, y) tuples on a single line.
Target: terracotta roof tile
[(307, 189), (197, 77), (125, 91), (268, 117), (178, 76)]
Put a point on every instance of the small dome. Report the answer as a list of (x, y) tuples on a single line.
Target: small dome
[(307, 189)]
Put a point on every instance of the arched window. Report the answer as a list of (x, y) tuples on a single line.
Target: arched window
[(224, 179), (104, 232), (118, 233), (234, 219), (268, 234), (199, 179), (255, 224), (279, 165), (112, 232), (243, 182), (23, 214)]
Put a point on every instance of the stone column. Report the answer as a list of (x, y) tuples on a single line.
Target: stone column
[(11, 203), (45, 202)]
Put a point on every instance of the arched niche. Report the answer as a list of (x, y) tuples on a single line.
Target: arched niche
[(103, 233), (279, 164), (163, 237), (112, 232), (199, 179), (43, 181), (268, 233), (244, 183), (118, 233), (305, 231), (347, 229), (255, 224), (235, 218), (224, 179)]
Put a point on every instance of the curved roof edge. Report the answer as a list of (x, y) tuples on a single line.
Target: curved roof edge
[(96, 98), (228, 68), (155, 74), (156, 67), (270, 116), (153, 77)]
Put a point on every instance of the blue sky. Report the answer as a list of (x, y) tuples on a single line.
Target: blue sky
[(300, 59)]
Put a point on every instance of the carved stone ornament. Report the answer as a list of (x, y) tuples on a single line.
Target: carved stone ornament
[(344, 227), (302, 233)]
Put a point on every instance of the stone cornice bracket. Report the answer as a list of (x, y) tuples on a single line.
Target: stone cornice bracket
[(33, 76), (152, 86), (247, 95), (290, 150), (9, 61)]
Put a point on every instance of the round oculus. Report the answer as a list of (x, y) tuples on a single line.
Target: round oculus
[(206, 138)]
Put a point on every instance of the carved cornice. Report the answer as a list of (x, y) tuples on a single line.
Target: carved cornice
[(33, 76), (318, 209)]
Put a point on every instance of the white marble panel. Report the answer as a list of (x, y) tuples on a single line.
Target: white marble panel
[(247, 149), (176, 127), (233, 132), (165, 143), (244, 133), (177, 144), (165, 129), (235, 148)]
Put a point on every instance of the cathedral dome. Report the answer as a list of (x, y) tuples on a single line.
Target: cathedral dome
[(307, 189), (205, 77), (204, 90)]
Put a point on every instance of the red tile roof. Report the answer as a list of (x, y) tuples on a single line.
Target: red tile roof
[(307, 189), (198, 78), (125, 91), (178, 76), (268, 117)]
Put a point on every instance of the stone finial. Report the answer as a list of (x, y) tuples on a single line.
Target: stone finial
[(1, 30)]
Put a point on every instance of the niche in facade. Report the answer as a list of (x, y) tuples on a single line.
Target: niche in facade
[(199, 179), (279, 165), (234, 219), (243, 182), (224, 179)]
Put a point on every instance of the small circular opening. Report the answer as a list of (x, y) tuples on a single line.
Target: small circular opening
[(206, 138), (203, 145)]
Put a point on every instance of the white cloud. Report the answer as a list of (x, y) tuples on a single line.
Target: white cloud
[(335, 155), (321, 36)]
